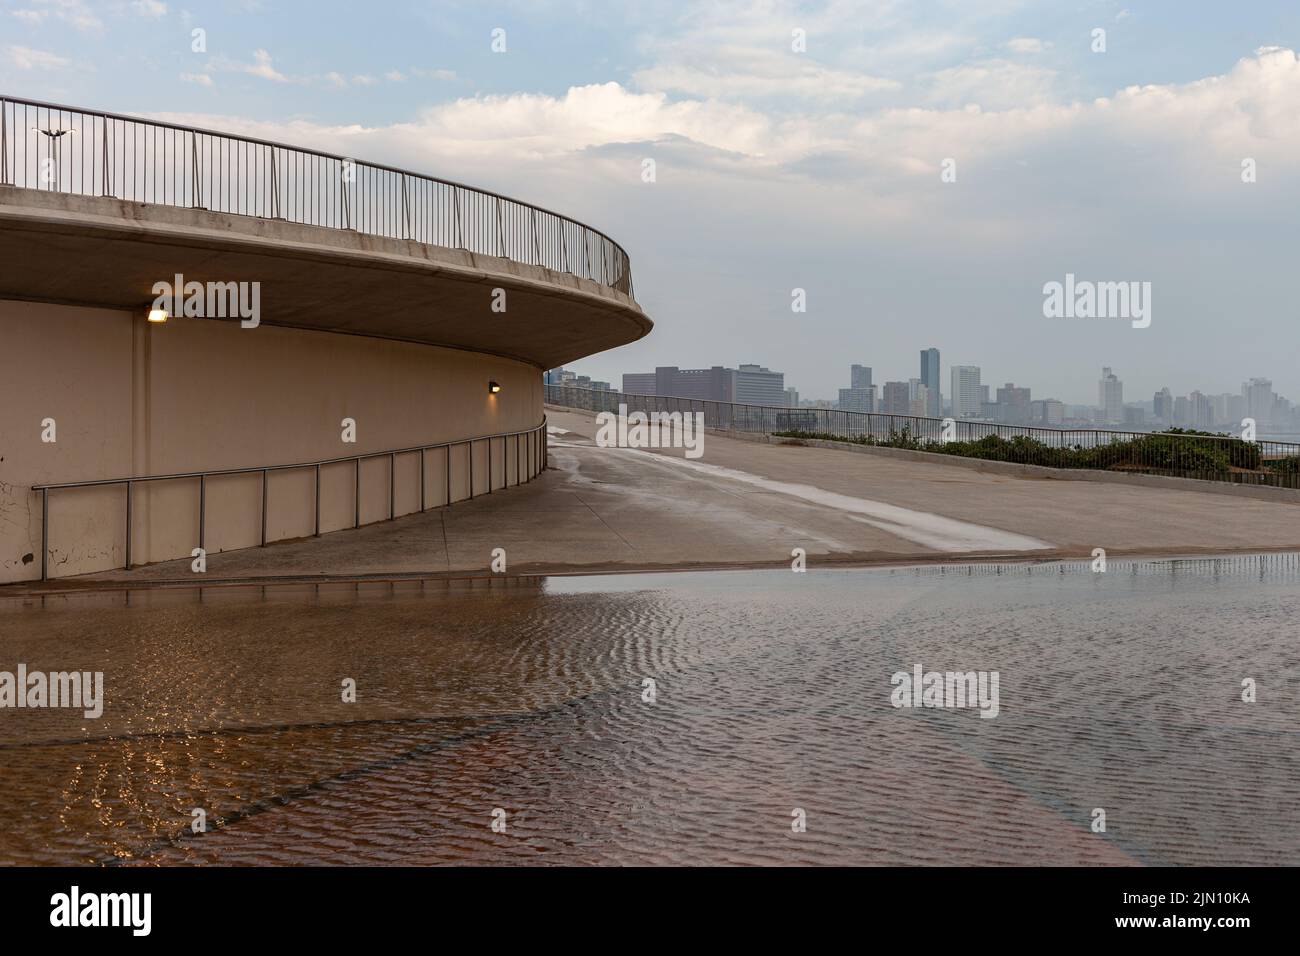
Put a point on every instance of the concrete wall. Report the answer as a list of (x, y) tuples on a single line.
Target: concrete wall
[(131, 398)]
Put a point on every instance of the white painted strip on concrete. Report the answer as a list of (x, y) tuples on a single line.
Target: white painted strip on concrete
[(919, 527)]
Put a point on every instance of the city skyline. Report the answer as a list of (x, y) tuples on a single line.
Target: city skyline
[(864, 392)]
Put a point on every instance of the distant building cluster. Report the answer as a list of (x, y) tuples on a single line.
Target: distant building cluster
[(968, 398), (1258, 401), (747, 384)]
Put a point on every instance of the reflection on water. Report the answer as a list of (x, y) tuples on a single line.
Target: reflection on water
[(1118, 690)]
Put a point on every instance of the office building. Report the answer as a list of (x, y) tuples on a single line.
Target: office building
[(966, 392)]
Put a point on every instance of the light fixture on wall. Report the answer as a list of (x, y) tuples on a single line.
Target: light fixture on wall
[(493, 388), (158, 315)]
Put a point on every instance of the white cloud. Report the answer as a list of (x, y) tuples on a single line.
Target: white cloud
[(149, 8), (262, 67), (1027, 45), (433, 74), (25, 58), (73, 12), (202, 79)]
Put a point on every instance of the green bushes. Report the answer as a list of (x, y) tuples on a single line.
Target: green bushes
[(1197, 454)]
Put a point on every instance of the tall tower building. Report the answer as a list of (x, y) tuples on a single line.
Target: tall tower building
[(1110, 396), (930, 379), (859, 376), (966, 391)]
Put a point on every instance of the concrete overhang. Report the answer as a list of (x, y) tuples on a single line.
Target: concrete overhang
[(108, 253)]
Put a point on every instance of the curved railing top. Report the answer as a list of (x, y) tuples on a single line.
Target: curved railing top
[(95, 153)]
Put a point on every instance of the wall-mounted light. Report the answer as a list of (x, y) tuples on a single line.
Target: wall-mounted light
[(158, 315), (493, 388)]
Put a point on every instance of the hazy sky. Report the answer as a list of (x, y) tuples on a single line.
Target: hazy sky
[(820, 170)]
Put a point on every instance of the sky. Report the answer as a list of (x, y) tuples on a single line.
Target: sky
[(920, 169)]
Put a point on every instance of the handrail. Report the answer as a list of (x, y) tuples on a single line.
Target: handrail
[(537, 453), (315, 190), (1235, 460), (962, 422)]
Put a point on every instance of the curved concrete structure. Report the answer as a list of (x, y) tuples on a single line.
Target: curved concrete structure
[(401, 337)]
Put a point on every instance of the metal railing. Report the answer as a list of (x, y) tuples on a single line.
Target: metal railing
[(537, 451), (1207, 457), (92, 153)]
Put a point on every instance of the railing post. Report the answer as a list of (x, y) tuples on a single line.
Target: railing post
[(275, 185), (45, 534), (343, 194), (537, 246), (392, 485), (356, 496), (4, 142), (460, 239), (316, 532), (448, 456), (203, 494), (105, 174), (471, 469), (423, 452), (128, 526), (489, 463), (264, 507), (406, 211), (501, 237), (197, 181)]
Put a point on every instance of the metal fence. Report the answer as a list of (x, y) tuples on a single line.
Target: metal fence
[(530, 450), (1206, 457), (91, 153)]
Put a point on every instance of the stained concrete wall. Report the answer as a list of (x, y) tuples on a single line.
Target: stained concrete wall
[(131, 398)]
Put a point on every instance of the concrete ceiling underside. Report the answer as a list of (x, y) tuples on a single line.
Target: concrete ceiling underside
[(108, 253)]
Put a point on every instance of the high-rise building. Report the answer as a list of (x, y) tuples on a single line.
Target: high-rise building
[(966, 394), (860, 376), (756, 385), (1013, 405), (1162, 406), (749, 384), (791, 398), (895, 399), (1047, 411), (918, 402), (1258, 395), (639, 383), (1182, 412), (858, 399), (1200, 411), (930, 378), (1110, 397)]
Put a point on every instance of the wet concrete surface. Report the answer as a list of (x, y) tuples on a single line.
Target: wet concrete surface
[(747, 504), (1118, 691)]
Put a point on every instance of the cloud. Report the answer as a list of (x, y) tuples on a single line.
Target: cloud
[(1027, 45), (261, 66), (202, 79), (149, 8), (433, 74), (73, 12), (25, 58)]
